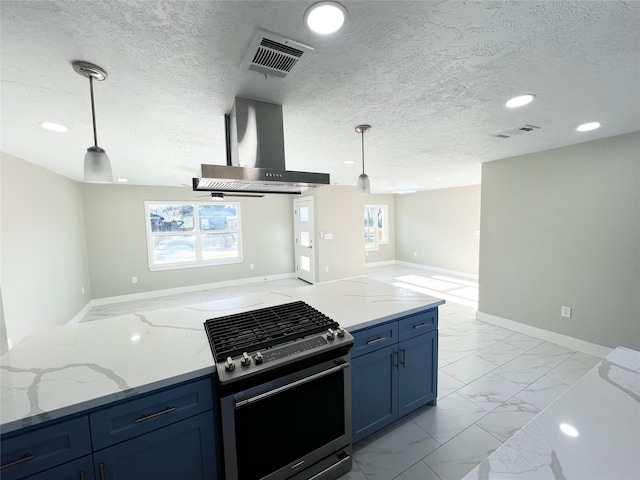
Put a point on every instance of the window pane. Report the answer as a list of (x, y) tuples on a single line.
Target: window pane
[(305, 263), (171, 218), (217, 246), (304, 239), (174, 249), (304, 214), (218, 217)]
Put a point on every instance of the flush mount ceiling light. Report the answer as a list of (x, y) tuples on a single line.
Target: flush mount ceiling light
[(520, 101), (97, 167), (587, 127), (325, 17), (363, 186)]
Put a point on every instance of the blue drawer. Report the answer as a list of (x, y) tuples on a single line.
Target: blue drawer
[(45, 448), (374, 338), (80, 469), (418, 324), (133, 418)]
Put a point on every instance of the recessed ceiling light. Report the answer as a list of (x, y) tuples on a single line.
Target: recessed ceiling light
[(349, 162), (325, 17), (587, 127), (520, 101), (54, 127), (569, 430), (123, 180), (438, 179)]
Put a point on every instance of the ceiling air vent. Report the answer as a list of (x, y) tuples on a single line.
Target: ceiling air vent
[(517, 131), (273, 55)]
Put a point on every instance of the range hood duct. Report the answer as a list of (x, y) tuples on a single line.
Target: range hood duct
[(255, 155)]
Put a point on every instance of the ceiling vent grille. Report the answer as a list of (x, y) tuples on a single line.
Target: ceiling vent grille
[(517, 131), (273, 55)]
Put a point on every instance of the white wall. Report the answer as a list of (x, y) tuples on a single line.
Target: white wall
[(117, 242), (339, 210), (562, 227), (440, 227), (44, 253)]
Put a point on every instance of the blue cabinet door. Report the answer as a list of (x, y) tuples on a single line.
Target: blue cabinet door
[(374, 382), (80, 469), (184, 450), (418, 373)]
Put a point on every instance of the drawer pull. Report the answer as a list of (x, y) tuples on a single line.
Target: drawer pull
[(144, 418), (423, 324), (81, 475), (379, 339), (26, 457), (102, 477)]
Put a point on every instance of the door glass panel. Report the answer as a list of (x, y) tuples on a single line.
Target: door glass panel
[(304, 214), (304, 239), (305, 263)]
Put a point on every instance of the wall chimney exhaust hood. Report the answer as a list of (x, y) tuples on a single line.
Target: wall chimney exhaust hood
[(255, 155)]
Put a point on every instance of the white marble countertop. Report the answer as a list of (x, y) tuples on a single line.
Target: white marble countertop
[(63, 370), (601, 417)]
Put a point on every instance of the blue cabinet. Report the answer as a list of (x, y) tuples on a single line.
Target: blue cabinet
[(167, 434), (80, 469), (374, 386), (185, 449), (43, 448), (394, 371)]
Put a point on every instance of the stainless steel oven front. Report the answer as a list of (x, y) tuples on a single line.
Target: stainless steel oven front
[(297, 426)]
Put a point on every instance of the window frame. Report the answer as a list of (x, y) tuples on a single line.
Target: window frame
[(384, 229), (196, 232)]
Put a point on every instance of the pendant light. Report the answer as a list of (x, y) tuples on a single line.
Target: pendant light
[(97, 167), (363, 186)]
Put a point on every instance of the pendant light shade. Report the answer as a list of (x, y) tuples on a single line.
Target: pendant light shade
[(363, 186), (97, 167)]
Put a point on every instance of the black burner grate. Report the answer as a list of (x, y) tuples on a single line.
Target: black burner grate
[(232, 335)]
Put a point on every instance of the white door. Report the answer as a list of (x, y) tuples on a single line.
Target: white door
[(304, 232)]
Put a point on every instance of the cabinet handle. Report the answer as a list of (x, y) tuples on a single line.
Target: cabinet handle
[(403, 362), (25, 458), (102, 477), (81, 475), (154, 415), (395, 358), (423, 324), (379, 339)]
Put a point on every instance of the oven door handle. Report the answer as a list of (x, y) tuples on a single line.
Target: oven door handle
[(291, 385)]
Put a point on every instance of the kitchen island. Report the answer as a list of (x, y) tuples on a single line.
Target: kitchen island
[(62, 372), (592, 431)]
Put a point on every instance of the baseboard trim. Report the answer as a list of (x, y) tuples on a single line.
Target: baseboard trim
[(188, 289), (446, 271), (380, 264), (546, 335)]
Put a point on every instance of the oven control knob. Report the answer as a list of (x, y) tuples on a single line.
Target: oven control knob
[(229, 365), (331, 334), (340, 332), (258, 358), (246, 360)]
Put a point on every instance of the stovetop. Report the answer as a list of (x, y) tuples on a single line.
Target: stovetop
[(263, 339)]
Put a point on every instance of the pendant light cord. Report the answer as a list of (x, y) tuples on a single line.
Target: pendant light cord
[(362, 133), (93, 112)]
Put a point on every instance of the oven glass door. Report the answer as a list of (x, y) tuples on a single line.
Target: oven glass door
[(282, 427)]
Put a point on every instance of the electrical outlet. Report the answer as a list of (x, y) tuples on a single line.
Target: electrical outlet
[(415, 254), (326, 269), (565, 312), (251, 266), (82, 290), (134, 279)]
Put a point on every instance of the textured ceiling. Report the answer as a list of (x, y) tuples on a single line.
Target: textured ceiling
[(430, 77)]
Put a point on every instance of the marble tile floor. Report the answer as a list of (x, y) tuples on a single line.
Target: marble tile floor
[(491, 380)]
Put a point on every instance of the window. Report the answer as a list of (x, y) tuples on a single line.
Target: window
[(376, 226), (192, 234)]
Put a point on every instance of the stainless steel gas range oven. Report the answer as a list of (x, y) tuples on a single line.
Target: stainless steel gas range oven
[(284, 384)]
